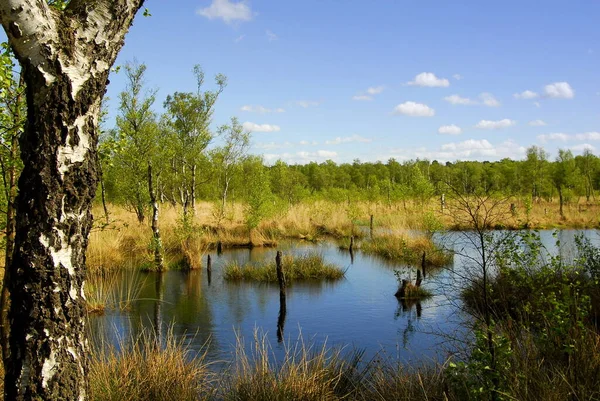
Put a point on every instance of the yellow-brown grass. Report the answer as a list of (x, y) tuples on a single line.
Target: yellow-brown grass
[(148, 370)]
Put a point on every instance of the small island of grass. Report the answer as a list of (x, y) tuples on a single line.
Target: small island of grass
[(310, 266), (407, 250)]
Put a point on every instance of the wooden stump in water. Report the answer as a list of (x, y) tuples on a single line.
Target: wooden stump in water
[(282, 303), (219, 248), (371, 227), (281, 281), (208, 269), (351, 247), (419, 278)]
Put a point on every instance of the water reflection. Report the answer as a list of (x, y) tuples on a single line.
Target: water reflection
[(359, 310)]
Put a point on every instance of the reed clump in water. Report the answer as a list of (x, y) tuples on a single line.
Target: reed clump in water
[(310, 266), (409, 250)]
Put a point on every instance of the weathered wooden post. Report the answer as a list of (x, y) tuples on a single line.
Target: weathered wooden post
[(351, 247), (208, 268), (371, 227), (419, 278), (219, 248), (282, 303)]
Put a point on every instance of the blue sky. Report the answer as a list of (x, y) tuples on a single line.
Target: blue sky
[(347, 79)]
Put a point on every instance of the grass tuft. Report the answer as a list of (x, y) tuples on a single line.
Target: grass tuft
[(148, 370), (310, 266), (407, 250)]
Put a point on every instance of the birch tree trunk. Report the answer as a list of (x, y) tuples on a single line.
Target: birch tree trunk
[(65, 57), (156, 240)]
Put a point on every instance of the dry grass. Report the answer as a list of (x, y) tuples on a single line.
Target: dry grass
[(148, 370), (306, 373), (407, 249)]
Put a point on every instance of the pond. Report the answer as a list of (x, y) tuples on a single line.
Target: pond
[(358, 312)]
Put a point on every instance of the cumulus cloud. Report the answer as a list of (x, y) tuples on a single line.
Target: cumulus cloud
[(556, 136), (470, 149), (261, 109), (582, 147), (369, 93), (559, 136), (526, 95), (430, 80), (450, 129), (537, 123), (228, 11), (375, 90), (559, 90), (414, 109), (487, 124), (348, 139), (301, 156), (456, 99), (253, 127), (489, 100)]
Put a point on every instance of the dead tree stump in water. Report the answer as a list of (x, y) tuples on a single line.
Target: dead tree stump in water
[(208, 269), (351, 247), (419, 278), (371, 227), (282, 303)]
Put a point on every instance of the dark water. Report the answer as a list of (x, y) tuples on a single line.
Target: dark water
[(356, 312)]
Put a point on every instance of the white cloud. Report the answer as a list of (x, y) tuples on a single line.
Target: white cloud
[(450, 129), (469, 144), (414, 110), (456, 99), (559, 90), (308, 103), (261, 109), (487, 124), (584, 146), (458, 77), (301, 157), (228, 11), (537, 123), (526, 95), (326, 153), (430, 80), (559, 136), (588, 136), (556, 136), (253, 127), (375, 90), (471, 149), (369, 93), (271, 36), (489, 100), (348, 139), (362, 98)]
